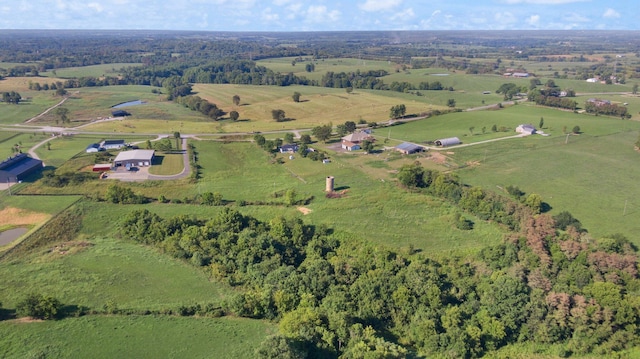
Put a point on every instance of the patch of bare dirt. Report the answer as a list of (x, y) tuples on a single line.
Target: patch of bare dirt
[(304, 210), (70, 247), (438, 158), (20, 217)]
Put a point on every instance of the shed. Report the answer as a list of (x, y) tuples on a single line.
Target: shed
[(16, 168), (134, 158), (408, 148), (451, 141), (94, 147), (112, 144), (102, 167)]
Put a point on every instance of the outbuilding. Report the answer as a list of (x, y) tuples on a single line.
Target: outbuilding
[(134, 158), (526, 129), (112, 144), (101, 167), (408, 148), (17, 168), (445, 142), (92, 148), (289, 148)]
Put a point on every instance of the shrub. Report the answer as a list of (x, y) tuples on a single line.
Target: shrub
[(39, 306)]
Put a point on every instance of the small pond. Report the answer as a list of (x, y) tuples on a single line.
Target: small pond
[(130, 103), (11, 235)]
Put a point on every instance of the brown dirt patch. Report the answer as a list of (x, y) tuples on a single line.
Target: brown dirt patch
[(304, 210), (19, 217), (70, 247), (438, 158)]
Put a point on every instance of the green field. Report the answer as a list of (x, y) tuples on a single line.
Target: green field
[(133, 337)]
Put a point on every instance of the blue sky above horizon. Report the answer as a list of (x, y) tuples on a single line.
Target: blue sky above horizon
[(321, 15)]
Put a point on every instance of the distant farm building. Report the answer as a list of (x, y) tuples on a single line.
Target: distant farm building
[(446, 142), (526, 129), (135, 158), (18, 167), (353, 141), (120, 113), (94, 147), (408, 148), (598, 102), (112, 144), (289, 148)]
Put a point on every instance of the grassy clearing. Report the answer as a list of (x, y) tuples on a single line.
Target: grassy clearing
[(91, 272), (590, 176), (89, 71), (167, 164), (133, 337)]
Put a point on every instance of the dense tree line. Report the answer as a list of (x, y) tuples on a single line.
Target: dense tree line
[(607, 109), (539, 98), (334, 296), (11, 97)]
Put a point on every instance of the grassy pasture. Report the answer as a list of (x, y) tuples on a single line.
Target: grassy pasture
[(24, 139), (590, 176), (88, 71), (133, 337), (322, 66), (99, 269)]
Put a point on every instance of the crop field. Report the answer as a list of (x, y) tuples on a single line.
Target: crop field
[(88, 71), (133, 336)]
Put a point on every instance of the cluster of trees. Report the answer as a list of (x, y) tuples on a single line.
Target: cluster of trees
[(360, 80), (334, 296), (432, 86), (123, 195), (196, 103), (540, 98), (608, 109), (39, 306), (509, 90), (11, 97), (322, 133), (397, 111)]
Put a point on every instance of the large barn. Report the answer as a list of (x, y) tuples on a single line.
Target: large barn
[(134, 158), (16, 168), (408, 148)]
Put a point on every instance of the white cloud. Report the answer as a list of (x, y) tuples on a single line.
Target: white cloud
[(95, 6), (542, 2), (403, 15), (573, 17), (611, 14), (504, 18), (281, 2), (269, 16), (320, 14), (379, 5), (533, 20)]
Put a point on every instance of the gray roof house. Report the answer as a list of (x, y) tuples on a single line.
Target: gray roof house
[(112, 144), (527, 129), (134, 158)]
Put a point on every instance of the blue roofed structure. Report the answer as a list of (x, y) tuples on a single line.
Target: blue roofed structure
[(408, 148), (16, 168)]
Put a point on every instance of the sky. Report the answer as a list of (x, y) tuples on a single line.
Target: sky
[(320, 15)]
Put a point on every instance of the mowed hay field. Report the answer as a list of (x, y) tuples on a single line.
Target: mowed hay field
[(32, 104), (317, 105)]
